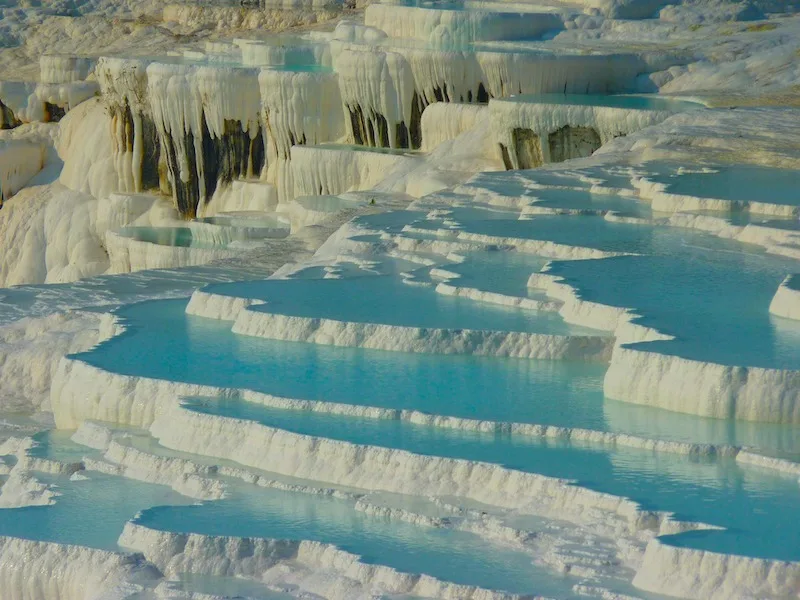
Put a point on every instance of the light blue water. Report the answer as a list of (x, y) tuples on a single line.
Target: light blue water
[(246, 220), (739, 183), (162, 342), (444, 553), (499, 271), (633, 102), (388, 300), (252, 511), (716, 303), (165, 236), (89, 513), (585, 200), (583, 230), (228, 587), (711, 491), (712, 294)]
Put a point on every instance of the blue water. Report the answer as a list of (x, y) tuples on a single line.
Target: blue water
[(716, 303), (640, 102), (444, 553), (584, 200), (162, 342), (498, 271), (712, 294), (387, 300), (164, 236), (739, 183), (717, 492), (89, 513), (252, 511)]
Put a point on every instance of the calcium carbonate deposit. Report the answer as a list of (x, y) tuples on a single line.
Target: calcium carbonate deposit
[(456, 299)]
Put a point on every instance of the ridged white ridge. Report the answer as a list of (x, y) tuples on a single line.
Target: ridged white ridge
[(33, 570), (783, 242), (132, 400), (184, 476), (347, 578), (23, 489), (496, 298), (704, 575), (424, 340), (702, 388), (331, 170), (369, 467), (19, 162), (218, 306), (664, 201), (786, 302)]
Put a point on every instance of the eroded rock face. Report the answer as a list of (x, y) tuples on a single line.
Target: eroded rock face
[(222, 159), (7, 118), (528, 148), (53, 113), (136, 134), (372, 129), (573, 142)]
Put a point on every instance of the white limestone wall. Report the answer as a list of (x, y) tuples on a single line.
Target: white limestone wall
[(445, 121), (320, 170), (786, 302), (378, 82), (299, 108), (544, 119), (32, 569), (128, 255), (704, 575), (54, 68), (440, 27), (241, 196), (317, 569), (19, 162)]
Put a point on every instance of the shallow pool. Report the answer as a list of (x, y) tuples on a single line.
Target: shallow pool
[(712, 294), (387, 300), (738, 183), (694, 489), (163, 342)]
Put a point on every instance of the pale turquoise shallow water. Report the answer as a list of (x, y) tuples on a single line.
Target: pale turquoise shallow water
[(693, 489), (739, 183), (712, 294), (252, 511), (387, 300), (160, 343)]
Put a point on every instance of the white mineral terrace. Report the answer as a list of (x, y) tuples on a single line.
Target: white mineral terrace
[(469, 299)]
